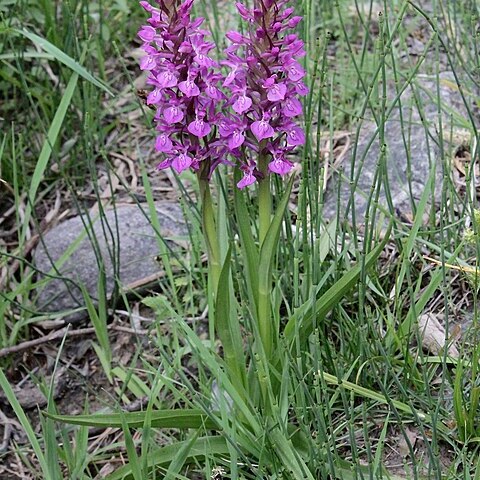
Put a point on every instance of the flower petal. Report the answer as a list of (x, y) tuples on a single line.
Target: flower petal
[(247, 180), (163, 143), (242, 104), (181, 162), (262, 129), (199, 128), (280, 166), (173, 115), (189, 88)]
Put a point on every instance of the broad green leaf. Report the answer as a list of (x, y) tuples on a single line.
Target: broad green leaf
[(249, 249), (367, 393), (407, 250), (290, 458), (418, 307), (228, 328), (181, 457), (187, 418), (131, 451), (216, 366), (267, 254)]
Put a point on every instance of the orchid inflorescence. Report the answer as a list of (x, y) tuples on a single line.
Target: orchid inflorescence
[(206, 117)]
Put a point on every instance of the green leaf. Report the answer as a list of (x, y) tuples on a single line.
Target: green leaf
[(228, 328), (182, 418), (181, 457), (131, 451), (19, 412), (436, 279), (303, 318), (410, 243), (267, 254), (211, 445), (249, 249), (367, 393), (42, 162), (63, 58), (290, 458)]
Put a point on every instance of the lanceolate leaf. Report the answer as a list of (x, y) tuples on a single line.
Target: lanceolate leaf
[(228, 327), (187, 418), (249, 249), (267, 253)]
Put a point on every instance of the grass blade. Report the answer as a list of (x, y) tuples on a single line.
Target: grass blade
[(63, 58), (162, 457), (52, 136), (306, 313), (19, 412)]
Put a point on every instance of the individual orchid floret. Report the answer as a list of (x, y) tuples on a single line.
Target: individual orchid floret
[(292, 107), (233, 131), (199, 127), (242, 103), (279, 163), (173, 115), (248, 177), (275, 91), (182, 162), (163, 143), (295, 135), (262, 129), (189, 87)]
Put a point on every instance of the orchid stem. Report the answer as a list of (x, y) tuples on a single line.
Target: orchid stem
[(264, 201), (213, 251), (264, 295)]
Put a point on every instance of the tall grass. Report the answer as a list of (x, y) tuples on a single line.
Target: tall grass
[(361, 391)]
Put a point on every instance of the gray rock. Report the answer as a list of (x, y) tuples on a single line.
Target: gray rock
[(411, 147), (123, 239)]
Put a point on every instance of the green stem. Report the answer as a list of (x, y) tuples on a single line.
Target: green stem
[(265, 292), (264, 201), (213, 251)]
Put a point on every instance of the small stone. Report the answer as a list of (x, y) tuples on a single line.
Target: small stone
[(122, 238)]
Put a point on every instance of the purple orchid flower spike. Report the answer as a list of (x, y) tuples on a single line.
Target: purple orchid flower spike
[(186, 81), (264, 68), (205, 118)]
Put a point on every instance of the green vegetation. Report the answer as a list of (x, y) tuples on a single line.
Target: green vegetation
[(357, 396)]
